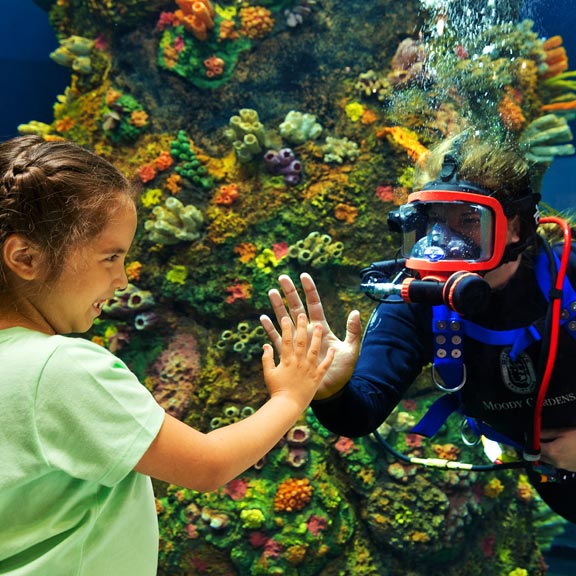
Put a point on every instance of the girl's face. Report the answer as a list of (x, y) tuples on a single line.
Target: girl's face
[(90, 276)]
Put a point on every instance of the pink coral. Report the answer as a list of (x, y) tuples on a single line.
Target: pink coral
[(344, 445), (174, 373), (236, 489), (316, 524)]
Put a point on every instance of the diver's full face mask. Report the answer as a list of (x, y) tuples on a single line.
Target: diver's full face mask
[(446, 231)]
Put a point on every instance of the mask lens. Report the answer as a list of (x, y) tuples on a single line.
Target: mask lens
[(435, 231)]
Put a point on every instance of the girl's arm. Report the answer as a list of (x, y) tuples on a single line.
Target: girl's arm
[(186, 457)]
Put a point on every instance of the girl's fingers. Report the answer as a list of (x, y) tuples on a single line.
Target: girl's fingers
[(287, 338), (301, 334), (268, 359)]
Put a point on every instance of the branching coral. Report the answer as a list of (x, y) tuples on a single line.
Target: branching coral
[(174, 223), (299, 127), (339, 149)]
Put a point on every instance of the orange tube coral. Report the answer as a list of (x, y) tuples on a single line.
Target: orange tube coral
[(197, 16), (556, 57), (405, 139), (559, 106)]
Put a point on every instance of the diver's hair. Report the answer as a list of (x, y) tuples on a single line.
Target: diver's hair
[(497, 167), (56, 194)]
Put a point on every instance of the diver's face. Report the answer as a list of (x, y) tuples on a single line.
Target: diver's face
[(463, 219)]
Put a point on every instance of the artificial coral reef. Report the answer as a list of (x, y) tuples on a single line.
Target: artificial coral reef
[(273, 136)]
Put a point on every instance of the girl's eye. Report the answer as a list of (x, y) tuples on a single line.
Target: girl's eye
[(112, 258)]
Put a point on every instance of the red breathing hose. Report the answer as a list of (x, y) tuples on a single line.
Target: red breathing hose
[(554, 329)]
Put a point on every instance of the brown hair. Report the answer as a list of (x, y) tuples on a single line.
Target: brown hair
[(56, 194), (499, 168)]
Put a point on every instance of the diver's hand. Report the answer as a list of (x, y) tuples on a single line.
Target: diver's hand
[(558, 446), (346, 351)]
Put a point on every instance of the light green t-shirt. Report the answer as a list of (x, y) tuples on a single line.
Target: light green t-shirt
[(74, 421)]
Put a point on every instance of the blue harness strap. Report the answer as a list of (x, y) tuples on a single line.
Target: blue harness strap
[(449, 328)]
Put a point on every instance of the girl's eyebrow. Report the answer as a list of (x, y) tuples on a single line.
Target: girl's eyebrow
[(113, 250)]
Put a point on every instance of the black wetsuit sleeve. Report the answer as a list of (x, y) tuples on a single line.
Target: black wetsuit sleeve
[(396, 345)]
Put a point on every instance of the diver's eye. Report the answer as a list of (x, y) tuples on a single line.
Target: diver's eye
[(470, 221)]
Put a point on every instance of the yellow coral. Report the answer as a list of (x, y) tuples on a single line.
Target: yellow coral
[(246, 250), (133, 270), (346, 213), (493, 488), (525, 490), (354, 111), (295, 554), (257, 21), (138, 118), (151, 197), (419, 536), (266, 260)]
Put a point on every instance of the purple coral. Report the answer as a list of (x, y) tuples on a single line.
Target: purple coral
[(284, 162)]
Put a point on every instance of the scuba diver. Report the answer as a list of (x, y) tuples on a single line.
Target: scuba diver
[(483, 298)]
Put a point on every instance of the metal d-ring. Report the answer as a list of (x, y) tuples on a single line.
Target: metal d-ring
[(466, 425), (443, 388)]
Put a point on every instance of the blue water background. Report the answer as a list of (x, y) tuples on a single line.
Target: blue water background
[(30, 83)]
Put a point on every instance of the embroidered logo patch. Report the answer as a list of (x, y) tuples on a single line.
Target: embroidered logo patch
[(518, 376)]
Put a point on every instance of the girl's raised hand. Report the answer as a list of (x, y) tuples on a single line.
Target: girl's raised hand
[(346, 351), (300, 370)]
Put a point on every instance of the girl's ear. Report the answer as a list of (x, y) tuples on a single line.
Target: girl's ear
[(22, 257)]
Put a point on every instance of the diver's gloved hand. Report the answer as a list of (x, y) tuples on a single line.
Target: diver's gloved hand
[(346, 351)]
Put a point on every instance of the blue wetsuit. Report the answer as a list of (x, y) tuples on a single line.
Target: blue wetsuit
[(398, 343)]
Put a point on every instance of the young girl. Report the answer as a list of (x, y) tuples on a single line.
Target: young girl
[(80, 436)]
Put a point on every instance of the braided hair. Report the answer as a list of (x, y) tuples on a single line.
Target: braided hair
[(57, 195)]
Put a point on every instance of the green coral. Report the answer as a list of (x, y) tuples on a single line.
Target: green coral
[(174, 222), (191, 54), (188, 166), (74, 52), (316, 250), (246, 341), (247, 134), (118, 120), (545, 138)]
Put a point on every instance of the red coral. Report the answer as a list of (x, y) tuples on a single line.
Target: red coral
[(236, 489), (385, 193), (164, 161), (258, 539), (487, 546), (280, 250), (147, 173), (165, 21), (239, 291)]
